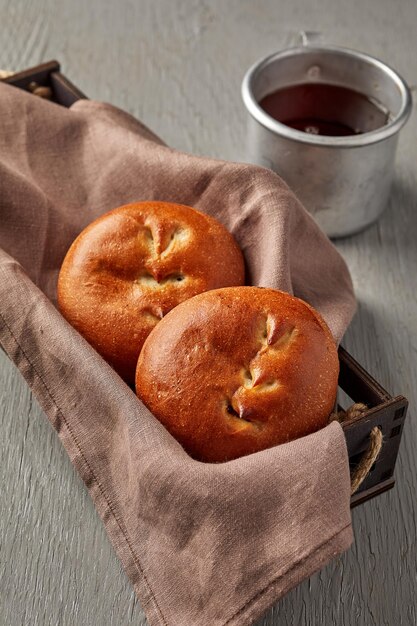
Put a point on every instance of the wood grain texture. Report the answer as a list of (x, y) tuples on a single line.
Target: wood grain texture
[(177, 65)]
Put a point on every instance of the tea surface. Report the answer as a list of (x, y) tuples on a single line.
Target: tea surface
[(322, 109)]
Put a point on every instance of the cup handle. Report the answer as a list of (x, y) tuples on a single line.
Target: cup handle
[(309, 38)]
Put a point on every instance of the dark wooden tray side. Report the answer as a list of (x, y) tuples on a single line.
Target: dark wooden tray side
[(384, 411), (48, 75)]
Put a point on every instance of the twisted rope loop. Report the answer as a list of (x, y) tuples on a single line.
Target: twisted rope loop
[(370, 455)]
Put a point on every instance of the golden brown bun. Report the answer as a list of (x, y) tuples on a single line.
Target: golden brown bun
[(237, 370), (131, 266)]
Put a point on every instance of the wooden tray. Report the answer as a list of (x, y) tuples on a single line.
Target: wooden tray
[(384, 411)]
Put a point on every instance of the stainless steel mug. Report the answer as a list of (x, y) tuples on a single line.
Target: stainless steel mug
[(343, 181)]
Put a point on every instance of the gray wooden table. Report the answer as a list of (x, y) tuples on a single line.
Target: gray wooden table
[(177, 65)]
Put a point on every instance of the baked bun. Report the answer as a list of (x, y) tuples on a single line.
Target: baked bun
[(237, 370), (131, 266)]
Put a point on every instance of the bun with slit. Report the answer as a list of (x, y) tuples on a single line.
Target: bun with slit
[(131, 266), (237, 370)]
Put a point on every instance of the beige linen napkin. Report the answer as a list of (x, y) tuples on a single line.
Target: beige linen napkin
[(204, 545)]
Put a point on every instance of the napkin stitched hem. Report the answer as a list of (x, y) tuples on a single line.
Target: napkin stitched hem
[(90, 469), (310, 555)]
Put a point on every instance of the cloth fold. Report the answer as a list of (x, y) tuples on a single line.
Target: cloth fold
[(202, 543)]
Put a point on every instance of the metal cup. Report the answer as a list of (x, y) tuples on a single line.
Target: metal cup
[(343, 181)]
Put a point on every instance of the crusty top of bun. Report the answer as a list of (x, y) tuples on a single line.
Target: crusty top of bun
[(237, 370), (131, 266)]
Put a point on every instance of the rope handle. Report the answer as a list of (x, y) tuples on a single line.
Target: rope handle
[(370, 455)]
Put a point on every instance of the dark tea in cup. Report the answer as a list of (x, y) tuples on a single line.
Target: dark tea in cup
[(324, 109)]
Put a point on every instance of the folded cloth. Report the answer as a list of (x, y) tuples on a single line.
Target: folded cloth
[(203, 544)]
